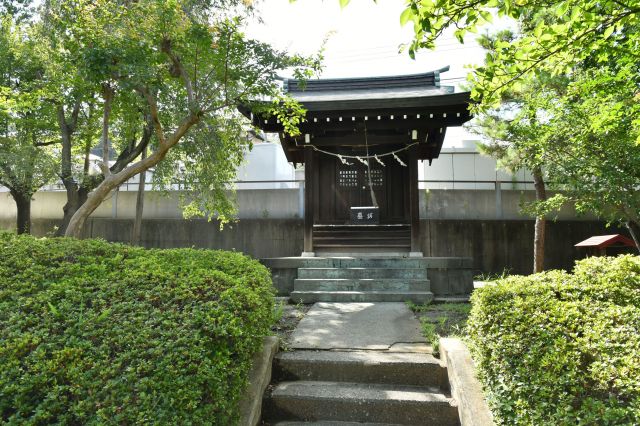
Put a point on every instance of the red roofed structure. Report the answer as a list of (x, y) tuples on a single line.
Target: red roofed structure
[(599, 243)]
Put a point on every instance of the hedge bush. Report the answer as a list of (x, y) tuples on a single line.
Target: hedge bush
[(561, 349), (97, 333)]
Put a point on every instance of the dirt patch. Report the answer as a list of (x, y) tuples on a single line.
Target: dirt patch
[(442, 320), (289, 315)]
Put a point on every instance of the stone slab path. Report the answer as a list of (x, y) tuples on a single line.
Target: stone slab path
[(368, 326), (362, 363)]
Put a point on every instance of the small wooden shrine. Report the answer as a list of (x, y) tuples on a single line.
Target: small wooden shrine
[(602, 245), (360, 145)]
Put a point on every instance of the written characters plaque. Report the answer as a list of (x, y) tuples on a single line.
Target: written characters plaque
[(365, 215)]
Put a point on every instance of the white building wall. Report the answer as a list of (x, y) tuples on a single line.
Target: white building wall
[(266, 162), (461, 166)]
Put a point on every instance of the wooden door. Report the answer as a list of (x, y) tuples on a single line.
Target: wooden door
[(344, 186)]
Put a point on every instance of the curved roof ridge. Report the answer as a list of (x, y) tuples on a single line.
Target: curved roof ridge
[(422, 80)]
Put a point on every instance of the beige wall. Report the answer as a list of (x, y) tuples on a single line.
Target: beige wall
[(286, 204)]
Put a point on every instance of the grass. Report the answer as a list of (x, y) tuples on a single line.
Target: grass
[(492, 276), (278, 311), (286, 318), (441, 320)]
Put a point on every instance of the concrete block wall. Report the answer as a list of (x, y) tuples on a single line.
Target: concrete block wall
[(494, 245), (256, 237)]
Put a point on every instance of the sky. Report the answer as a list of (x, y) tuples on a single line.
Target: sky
[(363, 40)]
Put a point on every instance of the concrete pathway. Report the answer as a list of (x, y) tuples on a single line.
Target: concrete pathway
[(359, 363), (371, 326)]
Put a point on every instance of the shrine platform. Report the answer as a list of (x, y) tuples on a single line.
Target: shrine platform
[(374, 277)]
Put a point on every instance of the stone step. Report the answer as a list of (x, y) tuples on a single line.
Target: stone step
[(411, 273), (388, 254), (350, 260), (363, 228), (330, 423), (417, 297), (360, 236), (357, 402), (361, 284), (396, 259), (373, 262), (355, 238), (395, 368), (346, 245), (368, 251)]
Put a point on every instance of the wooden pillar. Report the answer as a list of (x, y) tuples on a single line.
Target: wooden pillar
[(309, 186), (414, 199)]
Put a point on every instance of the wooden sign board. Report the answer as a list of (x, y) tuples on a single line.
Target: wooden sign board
[(365, 216)]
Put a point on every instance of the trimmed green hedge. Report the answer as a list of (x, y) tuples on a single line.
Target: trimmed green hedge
[(562, 349), (97, 333)]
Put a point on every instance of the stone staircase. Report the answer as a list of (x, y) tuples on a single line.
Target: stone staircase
[(358, 387), (363, 279), (362, 238)]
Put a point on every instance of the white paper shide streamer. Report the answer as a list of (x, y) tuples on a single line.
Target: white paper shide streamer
[(365, 162), (399, 160), (345, 162), (364, 159)]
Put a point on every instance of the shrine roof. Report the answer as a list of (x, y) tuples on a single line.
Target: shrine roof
[(393, 111), (602, 241), (414, 90)]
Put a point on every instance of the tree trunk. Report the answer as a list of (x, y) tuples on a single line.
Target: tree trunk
[(76, 224), (634, 230), (23, 206), (108, 99), (137, 223), (77, 194), (66, 174), (541, 222), (76, 197)]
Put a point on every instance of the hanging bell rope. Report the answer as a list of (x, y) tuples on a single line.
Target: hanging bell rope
[(374, 201)]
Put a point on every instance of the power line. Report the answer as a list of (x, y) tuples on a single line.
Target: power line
[(448, 40), (396, 54), (363, 52)]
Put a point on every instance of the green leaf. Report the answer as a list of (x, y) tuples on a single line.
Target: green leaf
[(607, 33), (344, 3), (406, 16), (546, 36), (53, 309), (486, 15), (537, 31)]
